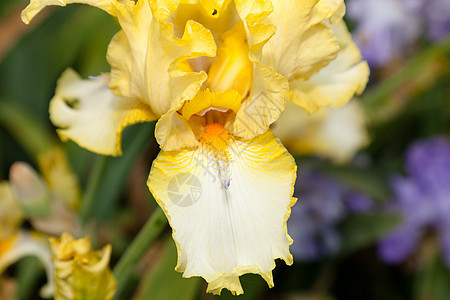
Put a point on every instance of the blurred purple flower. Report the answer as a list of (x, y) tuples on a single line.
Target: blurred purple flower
[(322, 205), (384, 27), (423, 199), (437, 17)]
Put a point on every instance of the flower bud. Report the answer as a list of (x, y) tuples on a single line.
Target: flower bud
[(80, 272)]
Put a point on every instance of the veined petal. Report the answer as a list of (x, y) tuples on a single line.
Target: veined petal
[(264, 105), (145, 55), (334, 133), (36, 6), (23, 244), (87, 112), (240, 228), (301, 45), (335, 84)]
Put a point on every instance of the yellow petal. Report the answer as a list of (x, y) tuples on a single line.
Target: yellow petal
[(253, 12), (11, 215), (145, 55), (228, 99), (264, 105), (57, 173), (334, 133), (87, 112), (36, 6), (239, 229), (301, 45), (335, 84), (332, 9)]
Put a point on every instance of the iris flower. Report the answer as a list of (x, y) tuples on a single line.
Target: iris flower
[(216, 75), (16, 243)]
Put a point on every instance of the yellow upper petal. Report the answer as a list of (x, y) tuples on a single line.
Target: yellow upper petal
[(239, 229), (335, 84), (301, 45), (36, 6), (87, 112), (264, 105), (145, 55)]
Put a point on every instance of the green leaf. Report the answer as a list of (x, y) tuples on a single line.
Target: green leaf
[(358, 231), (433, 280), (162, 282), (366, 181)]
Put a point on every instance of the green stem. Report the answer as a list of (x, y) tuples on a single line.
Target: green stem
[(92, 188), (377, 100), (25, 128), (127, 263)]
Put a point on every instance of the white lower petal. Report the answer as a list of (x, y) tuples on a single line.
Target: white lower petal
[(222, 233)]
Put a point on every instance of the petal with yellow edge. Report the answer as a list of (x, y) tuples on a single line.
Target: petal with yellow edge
[(87, 112), (338, 82), (146, 56), (36, 6), (239, 193)]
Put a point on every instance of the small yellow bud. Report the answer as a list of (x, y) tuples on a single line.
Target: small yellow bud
[(80, 272)]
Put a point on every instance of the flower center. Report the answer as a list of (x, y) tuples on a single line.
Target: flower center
[(216, 138)]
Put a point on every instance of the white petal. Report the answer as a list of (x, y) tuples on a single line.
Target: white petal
[(87, 112), (25, 244), (224, 232)]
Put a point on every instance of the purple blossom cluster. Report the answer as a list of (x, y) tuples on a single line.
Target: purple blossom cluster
[(386, 28), (322, 204), (423, 199)]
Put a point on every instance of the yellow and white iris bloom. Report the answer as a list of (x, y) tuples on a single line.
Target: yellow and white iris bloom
[(215, 74), (16, 243)]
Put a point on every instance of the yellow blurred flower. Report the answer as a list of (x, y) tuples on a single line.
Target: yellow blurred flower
[(80, 272), (16, 243), (216, 75), (333, 133)]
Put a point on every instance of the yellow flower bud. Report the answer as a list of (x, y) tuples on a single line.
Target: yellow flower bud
[(80, 272)]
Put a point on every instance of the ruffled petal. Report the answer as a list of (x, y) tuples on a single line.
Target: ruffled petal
[(301, 45), (238, 229), (334, 133), (335, 84), (264, 105), (145, 55), (334, 10), (87, 112), (36, 6)]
